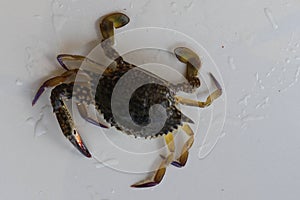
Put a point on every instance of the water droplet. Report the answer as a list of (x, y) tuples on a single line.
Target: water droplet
[(189, 6), (30, 121), (19, 82), (259, 81), (263, 104), (173, 4), (270, 72), (58, 22), (231, 63), (40, 129), (295, 80), (242, 114), (131, 5), (113, 191), (37, 17), (252, 118), (223, 134), (270, 17), (42, 195), (30, 60), (297, 57), (244, 100), (297, 45), (287, 60), (290, 49)]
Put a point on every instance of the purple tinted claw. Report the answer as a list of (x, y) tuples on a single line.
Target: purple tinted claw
[(61, 62), (92, 121), (177, 164), (53, 82), (84, 114), (38, 94), (62, 58)]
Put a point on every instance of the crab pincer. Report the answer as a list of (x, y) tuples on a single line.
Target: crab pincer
[(64, 118)]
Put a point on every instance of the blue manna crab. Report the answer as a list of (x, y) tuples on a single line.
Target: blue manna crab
[(98, 92)]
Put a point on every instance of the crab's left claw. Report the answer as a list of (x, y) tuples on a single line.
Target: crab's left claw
[(64, 118), (76, 140)]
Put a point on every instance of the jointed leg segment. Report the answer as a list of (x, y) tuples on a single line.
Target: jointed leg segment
[(84, 114), (54, 82), (193, 64), (62, 58), (181, 161), (213, 96), (160, 172), (107, 26)]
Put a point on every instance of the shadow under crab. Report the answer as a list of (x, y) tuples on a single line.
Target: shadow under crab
[(97, 89)]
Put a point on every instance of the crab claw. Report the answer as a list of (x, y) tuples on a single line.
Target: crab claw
[(76, 140)]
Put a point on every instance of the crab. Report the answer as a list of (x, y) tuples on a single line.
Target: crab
[(98, 92)]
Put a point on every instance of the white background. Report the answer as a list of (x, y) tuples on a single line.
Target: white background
[(257, 155)]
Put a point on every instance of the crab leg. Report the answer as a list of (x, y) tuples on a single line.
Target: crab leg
[(160, 172), (58, 95), (181, 161), (213, 96), (84, 114), (193, 63), (63, 58), (53, 82), (111, 21)]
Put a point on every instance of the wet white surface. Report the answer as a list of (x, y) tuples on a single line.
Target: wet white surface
[(256, 46)]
